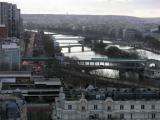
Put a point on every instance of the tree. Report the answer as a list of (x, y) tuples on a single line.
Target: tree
[(48, 45)]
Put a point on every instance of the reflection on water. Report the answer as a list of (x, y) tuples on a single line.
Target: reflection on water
[(148, 54), (106, 73)]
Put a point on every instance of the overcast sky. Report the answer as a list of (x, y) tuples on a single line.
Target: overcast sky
[(139, 8)]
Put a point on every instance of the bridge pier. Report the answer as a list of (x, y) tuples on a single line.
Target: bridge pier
[(82, 48), (69, 49), (102, 41)]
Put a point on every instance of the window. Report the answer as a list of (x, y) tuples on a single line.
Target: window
[(153, 107), (95, 107), (132, 107), (109, 108), (131, 116), (121, 107), (83, 108), (96, 116), (69, 107), (142, 107), (109, 116), (121, 116), (153, 115)]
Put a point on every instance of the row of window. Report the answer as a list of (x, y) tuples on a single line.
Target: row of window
[(122, 116), (132, 107), (109, 107), (82, 108)]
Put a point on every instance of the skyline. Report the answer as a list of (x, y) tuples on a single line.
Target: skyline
[(137, 8)]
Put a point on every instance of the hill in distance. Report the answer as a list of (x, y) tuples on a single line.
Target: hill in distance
[(87, 19)]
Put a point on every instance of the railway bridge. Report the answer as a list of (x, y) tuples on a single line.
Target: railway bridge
[(115, 64)]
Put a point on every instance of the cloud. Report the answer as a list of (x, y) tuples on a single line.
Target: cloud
[(141, 8)]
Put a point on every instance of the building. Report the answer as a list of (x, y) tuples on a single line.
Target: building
[(10, 56), (130, 34), (3, 32), (12, 108), (14, 77), (115, 104), (155, 33), (10, 17), (31, 87)]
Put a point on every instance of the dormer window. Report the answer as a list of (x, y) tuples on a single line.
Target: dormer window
[(83, 108), (109, 108), (142, 107), (69, 107), (95, 107)]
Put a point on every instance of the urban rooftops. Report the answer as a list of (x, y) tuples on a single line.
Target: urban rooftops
[(9, 74), (116, 94)]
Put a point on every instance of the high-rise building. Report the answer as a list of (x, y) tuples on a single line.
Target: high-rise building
[(3, 32), (10, 17)]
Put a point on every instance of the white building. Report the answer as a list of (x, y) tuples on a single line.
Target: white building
[(107, 108)]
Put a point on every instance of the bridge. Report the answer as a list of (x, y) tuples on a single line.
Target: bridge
[(68, 43), (70, 46), (70, 38), (36, 58), (105, 63)]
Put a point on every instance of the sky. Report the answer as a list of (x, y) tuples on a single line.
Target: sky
[(138, 8)]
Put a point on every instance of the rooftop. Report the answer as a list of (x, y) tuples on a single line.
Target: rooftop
[(2, 25), (115, 94), (15, 74), (9, 46), (7, 97), (47, 81)]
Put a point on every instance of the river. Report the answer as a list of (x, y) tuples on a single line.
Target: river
[(76, 52)]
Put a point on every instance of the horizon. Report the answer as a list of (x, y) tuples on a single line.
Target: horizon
[(90, 15), (132, 8)]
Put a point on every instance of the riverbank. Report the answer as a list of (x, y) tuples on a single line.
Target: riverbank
[(112, 51)]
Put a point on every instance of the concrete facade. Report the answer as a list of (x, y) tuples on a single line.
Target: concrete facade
[(10, 17), (106, 109), (3, 32)]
